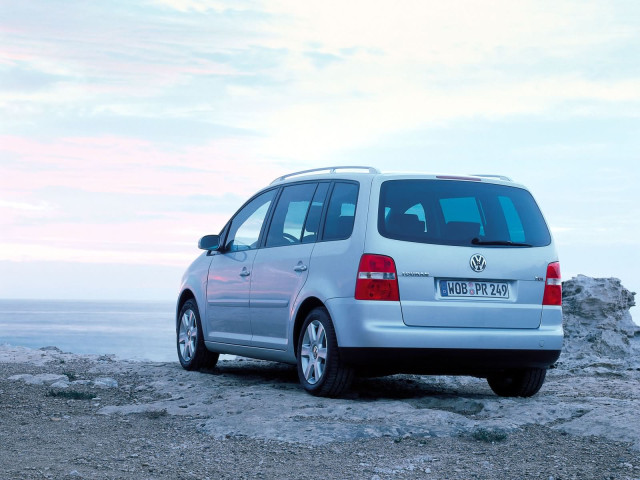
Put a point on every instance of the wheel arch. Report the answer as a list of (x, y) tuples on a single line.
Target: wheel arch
[(307, 305), (186, 294)]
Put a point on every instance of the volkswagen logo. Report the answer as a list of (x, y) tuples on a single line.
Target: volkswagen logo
[(477, 263)]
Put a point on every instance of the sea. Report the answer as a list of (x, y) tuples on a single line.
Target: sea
[(128, 330)]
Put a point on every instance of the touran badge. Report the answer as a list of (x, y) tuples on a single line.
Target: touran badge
[(477, 263)]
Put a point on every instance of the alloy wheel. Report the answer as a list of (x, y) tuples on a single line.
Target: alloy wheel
[(188, 335), (314, 352)]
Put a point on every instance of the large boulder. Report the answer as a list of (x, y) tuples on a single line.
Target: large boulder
[(599, 331)]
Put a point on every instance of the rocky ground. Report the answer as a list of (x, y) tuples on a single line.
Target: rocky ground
[(71, 416)]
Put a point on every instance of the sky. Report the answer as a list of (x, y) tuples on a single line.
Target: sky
[(130, 129)]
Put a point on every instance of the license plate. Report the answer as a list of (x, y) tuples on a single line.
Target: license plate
[(453, 288)]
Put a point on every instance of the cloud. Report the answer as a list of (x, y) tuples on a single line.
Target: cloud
[(154, 120), (18, 79), (118, 199), (321, 60), (154, 129), (33, 252), (203, 5), (122, 49), (129, 165), (449, 33), (24, 206), (331, 74)]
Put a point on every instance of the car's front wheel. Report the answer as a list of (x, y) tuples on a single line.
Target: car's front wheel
[(525, 382), (192, 352), (320, 370)]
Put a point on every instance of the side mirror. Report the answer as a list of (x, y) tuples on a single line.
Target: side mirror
[(209, 242)]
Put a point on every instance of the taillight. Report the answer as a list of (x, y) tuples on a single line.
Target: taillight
[(553, 285), (377, 278)]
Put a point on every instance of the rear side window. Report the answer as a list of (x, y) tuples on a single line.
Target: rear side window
[(290, 214), (341, 211), (460, 213)]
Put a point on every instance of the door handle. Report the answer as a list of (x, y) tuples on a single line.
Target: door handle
[(300, 268), (245, 273)]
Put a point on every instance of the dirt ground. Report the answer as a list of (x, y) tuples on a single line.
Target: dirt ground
[(68, 416)]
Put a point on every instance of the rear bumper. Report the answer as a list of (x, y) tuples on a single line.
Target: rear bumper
[(449, 361), (373, 334)]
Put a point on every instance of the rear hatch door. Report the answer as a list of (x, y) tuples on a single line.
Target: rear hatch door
[(506, 294), (468, 253)]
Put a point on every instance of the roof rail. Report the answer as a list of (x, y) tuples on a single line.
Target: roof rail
[(329, 169), (499, 177)]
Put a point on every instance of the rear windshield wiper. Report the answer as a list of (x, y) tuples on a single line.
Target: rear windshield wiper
[(506, 243)]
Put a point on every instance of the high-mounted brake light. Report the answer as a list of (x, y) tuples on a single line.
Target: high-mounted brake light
[(457, 177), (553, 285), (377, 278)]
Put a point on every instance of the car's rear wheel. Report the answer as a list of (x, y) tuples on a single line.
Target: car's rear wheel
[(192, 352), (525, 382), (320, 369)]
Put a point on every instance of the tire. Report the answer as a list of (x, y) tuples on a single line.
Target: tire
[(320, 370), (518, 383), (192, 352)]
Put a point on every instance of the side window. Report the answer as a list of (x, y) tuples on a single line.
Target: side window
[(246, 225), (418, 211), (514, 224), (289, 216), (410, 224), (341, 212), (462, 217)]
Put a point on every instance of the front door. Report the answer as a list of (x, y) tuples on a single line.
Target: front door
[(229, 279)]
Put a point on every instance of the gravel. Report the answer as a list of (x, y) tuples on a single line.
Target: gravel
[(65, 416), (117, 420)]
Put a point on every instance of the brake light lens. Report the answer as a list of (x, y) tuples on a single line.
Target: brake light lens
[(456, 177), (377, 278), (553, 285)]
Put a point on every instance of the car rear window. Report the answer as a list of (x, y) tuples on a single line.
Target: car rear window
[(463, 213)]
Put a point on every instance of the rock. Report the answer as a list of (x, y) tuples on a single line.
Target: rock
[(40, 379), (599, 330), (597, 299), (105, 382), (51, 348), (81, 382)]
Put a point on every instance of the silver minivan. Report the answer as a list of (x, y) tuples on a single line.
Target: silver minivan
[(347, 270)]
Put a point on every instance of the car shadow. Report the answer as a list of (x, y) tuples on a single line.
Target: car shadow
[(393, 387)]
